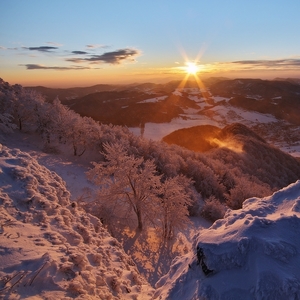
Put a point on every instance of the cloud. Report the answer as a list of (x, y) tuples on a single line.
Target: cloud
[(41, 67), (41, 48), (76, 60), (95, 46), (79, 52), (89, 59), (113, 57), (270, 64), (4, 48)]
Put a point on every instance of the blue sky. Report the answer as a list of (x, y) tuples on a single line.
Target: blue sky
[(67, 43)]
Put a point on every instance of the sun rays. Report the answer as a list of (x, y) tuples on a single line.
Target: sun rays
[(192, 70)]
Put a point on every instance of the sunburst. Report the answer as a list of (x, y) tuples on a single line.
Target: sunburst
[(191, 68)]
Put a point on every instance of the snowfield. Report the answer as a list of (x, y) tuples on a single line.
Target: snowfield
[(218, 115), (253, 253), (51, 248)]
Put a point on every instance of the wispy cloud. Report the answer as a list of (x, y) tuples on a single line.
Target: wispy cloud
[(4, 48), (41, 48), (42, 67), (113, 57), (96, 46), (79, 52), (278, 63), (264, 65), (88, 58)]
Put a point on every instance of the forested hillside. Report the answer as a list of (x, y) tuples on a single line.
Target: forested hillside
[(242, 165)]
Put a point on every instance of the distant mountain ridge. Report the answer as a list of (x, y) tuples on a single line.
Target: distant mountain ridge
[(66, 94), (280, 98)]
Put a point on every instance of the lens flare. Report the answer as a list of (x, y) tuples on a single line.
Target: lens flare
[(192, 68)]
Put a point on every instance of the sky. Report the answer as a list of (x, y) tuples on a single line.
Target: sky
[(80, 43)]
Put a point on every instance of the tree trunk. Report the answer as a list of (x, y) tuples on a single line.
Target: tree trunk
[(74, 149), (139, 217), (82, 152), (20, 124)]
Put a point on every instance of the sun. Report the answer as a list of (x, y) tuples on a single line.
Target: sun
[(191, 68)]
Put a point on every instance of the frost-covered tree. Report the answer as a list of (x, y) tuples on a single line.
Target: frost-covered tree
[(18, 107), (174, 204), (23, 103), (6, 124), (127, 183), (69, 127)]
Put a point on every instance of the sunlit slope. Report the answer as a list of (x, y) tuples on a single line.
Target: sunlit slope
[(197, 138), (206, 137), (237, 146)]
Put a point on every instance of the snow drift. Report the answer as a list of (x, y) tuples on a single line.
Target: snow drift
[(253, 253), (49, 247)]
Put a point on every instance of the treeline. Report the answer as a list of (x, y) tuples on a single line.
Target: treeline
[(217, 179)]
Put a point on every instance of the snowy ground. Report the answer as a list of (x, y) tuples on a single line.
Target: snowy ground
[(218, 115), (156, 131), (152, 258), (253, 253), (50, 248), (47, 251), (71, 168)]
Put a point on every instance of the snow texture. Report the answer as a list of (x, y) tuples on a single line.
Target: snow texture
[(49, 247), (154, 100), (219, 114), (253, 253)]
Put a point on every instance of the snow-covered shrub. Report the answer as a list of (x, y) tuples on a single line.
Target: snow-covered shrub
[(213, 209), (245, 189)]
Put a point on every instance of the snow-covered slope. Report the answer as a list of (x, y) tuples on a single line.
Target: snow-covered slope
[(253, 253), (49, 247)]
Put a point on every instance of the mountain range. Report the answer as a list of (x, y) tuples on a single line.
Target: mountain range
[(268, 107), (277, 97)]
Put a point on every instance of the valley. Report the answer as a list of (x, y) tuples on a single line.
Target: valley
[(270, 108)]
